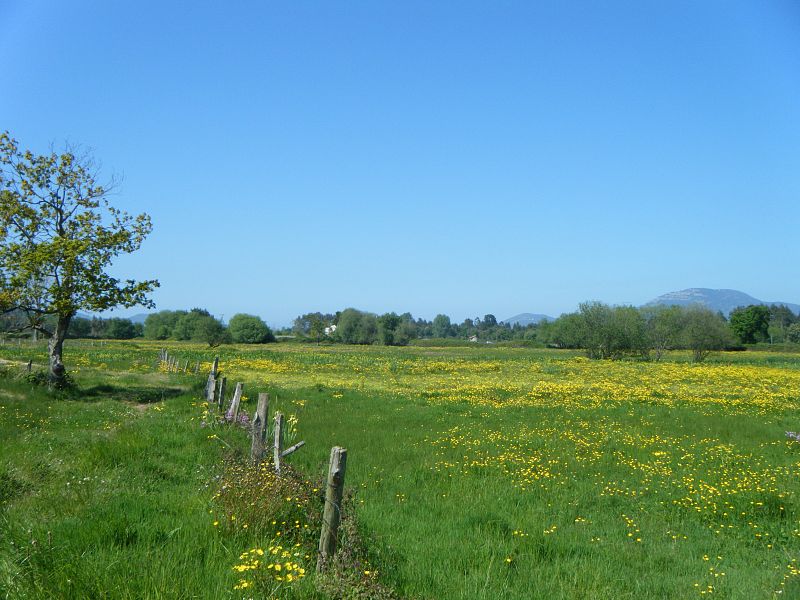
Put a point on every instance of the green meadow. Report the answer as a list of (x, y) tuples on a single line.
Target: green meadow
[(473, 472)]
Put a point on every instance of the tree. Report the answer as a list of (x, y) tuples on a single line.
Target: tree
[(58, 238), (317, 329), (441, 326), (387, 326), (121, 329), (793, 333), (751, 324), (161, 325), (249, 329), (199, 326), (703, 331), (663, 327)]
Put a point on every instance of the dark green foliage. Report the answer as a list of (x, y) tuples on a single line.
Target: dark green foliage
[(356, 327), (79, 327), (793, 333), (249, 329), (122, 329), (613, 332), (161, 325), (703, 331), (441, 326), (751, 324), (199, 326)]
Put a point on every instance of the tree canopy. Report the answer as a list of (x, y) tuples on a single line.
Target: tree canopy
[(58, 237)]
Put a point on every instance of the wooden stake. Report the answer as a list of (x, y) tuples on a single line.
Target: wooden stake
[(197, 367), (233, 409), (211, 388), (258, 445), (215, 366), (277, 450), (221, 395), (332, 515)]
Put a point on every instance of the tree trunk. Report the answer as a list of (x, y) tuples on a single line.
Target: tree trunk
[(55, 347)]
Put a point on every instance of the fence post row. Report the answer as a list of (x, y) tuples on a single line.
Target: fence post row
[(258, 445), (332, 514)]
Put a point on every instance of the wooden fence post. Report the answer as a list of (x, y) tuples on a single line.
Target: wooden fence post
[(186, 366), (211, 388), (258, 445), (30, 365), (221, 395), (215, 366), (233, 409), (332, 515), (277, 450), (197, 367)]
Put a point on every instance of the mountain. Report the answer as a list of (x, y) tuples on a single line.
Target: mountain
[(139, 318), (717, 300), (525, 319)]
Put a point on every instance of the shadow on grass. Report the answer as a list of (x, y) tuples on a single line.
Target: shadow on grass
[(126, 393)]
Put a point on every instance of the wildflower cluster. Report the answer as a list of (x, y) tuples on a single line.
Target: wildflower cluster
[(277, 564)]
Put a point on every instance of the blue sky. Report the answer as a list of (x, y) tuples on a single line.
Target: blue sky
[(463, 158)]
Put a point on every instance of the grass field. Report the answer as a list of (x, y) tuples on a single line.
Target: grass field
[(476, 472)]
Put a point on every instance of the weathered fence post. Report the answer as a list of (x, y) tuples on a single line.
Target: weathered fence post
[(233, 409), (221, 395), (277, 450), (186, 366), (332, 515), (30, 365), (197, 367), (258, 445), (211, 389), (215, 366)]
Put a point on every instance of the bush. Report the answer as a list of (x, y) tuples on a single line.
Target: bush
[(249, 329)]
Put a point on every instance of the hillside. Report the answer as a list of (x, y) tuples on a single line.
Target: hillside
[(717, 300), (525, 319)]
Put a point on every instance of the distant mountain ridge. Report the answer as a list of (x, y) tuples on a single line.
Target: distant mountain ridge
[(717, 300), (525, 319)]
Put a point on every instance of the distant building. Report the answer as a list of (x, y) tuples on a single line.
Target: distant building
[(473, 338), (330, 329)]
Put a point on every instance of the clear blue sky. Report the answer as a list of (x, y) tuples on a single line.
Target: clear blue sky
[(461, 157)]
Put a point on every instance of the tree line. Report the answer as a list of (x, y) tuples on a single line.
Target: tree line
[(603, 331)]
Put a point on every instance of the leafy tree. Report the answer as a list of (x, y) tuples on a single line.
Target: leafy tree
[(121, 329), (663, 325), (211, 331), (704, 331), (58, 237), (199, 326), (317, 329), (751, 324), (79, 327), (249, 329), (488, 322), (161, 325), (367, 329), (781, 318), (387, 326), (347, 327), (793, 333), (302, 325), (568, 331), (441, 326)]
